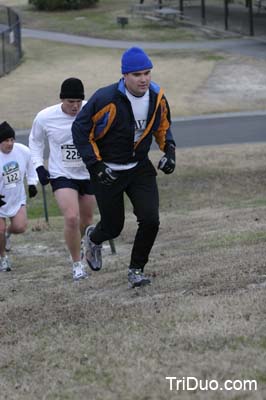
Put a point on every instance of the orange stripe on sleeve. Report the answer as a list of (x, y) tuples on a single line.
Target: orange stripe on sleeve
[(110, 109)]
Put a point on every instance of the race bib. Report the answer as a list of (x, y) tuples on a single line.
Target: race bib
[(11, 175), (70, 156)]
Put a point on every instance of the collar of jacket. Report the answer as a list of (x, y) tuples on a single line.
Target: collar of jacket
[(122, 88)]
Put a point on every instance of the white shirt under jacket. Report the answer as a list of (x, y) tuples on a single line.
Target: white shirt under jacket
[(64, 160), (14, 168)]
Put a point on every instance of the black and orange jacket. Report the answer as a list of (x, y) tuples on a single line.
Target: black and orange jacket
[(104, 129)]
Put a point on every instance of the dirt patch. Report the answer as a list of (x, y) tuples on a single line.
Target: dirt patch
[(235, 82)]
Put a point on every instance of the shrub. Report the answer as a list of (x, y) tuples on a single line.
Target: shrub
[(51, 5)]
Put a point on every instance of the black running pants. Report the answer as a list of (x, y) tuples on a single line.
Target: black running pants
[(139, 184)]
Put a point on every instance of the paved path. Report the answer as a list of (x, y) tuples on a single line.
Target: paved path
[(246, 46)]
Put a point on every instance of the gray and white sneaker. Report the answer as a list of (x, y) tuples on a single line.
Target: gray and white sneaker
[(136, 278), (79, 271), (5, 264), (93, 252), (8, 241)]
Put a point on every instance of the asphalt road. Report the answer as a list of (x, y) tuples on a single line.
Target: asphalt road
[(208, 130), (217, 130)]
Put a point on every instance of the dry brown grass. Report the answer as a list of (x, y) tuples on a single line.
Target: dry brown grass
[(194, 82), (203, 316)]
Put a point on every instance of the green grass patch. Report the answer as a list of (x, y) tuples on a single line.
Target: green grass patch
[(36, 205), (260, 377), (199, 187), (101, 21), (243, 238), (262, 344), (212, 57)]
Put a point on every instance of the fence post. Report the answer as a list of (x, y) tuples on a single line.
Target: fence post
[(12, 20), (18, 38), (3, 52), (45, 205)]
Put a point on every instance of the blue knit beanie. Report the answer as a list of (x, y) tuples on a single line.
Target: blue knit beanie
[(135, 59)]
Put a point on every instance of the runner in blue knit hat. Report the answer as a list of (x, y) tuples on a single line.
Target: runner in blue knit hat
[(113, 134)]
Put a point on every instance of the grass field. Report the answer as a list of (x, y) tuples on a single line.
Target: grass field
[(101, 21), (202, 317)]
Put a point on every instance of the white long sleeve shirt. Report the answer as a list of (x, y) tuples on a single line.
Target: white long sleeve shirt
[(64, 160), (14, 168)]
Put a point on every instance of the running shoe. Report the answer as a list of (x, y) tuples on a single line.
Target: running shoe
[(136, 278), (5, 264), (93, 252), (79, 271)]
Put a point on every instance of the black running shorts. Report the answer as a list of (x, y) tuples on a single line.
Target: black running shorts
[(81, 186)]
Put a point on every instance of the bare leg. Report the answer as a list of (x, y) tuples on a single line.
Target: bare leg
[(18, 224), (67, 200)]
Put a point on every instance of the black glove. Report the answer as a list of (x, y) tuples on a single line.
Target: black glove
[(167, 162), (105, 175), (32, 190), (43, 174), (2, 202)]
